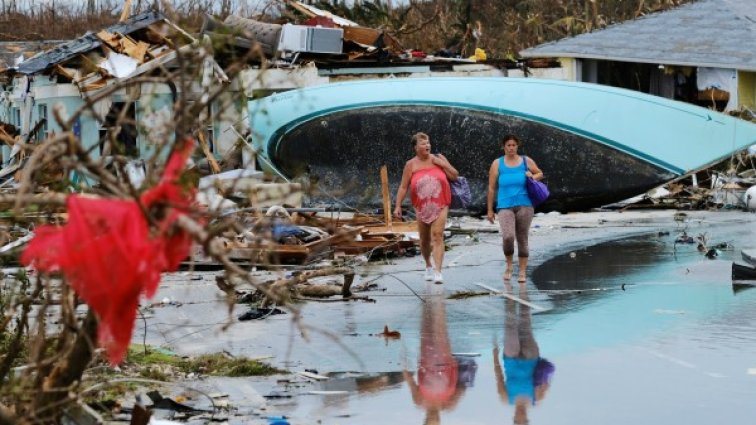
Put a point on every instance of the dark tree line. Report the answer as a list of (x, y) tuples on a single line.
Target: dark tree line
[(501, 27)]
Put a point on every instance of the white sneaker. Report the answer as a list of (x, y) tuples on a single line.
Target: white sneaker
[(438, 277), (428, 274)]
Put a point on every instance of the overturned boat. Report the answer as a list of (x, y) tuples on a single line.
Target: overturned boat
[(596, 144)]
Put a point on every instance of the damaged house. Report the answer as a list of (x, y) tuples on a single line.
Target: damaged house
[(698, 53), (71, 73), (320, 49)]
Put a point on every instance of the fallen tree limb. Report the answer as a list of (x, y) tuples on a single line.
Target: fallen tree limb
[(282, 289)]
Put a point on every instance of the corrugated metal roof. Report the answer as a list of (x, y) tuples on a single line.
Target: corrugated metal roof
[(85, 43), (712, 33)]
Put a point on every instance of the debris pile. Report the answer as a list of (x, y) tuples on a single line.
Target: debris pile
[(143, 42), (305, 236), (325, 38), (733, 189)]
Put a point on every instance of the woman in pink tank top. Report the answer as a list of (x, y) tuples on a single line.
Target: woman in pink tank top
[(427, 177)]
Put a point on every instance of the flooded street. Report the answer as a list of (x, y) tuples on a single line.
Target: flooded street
[(628, 330)]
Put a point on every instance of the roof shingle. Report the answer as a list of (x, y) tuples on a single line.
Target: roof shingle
[(711, 33)]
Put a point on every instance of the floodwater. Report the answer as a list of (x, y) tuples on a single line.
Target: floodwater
[(641, 330)]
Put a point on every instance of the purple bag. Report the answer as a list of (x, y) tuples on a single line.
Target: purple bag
[(543, 372), (461, 197), (537, 191)]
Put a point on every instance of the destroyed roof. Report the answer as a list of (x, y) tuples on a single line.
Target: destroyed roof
[(10, 51), (85, 43), (710, 33)]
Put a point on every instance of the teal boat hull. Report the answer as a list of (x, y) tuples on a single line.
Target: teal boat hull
[(596, 144)]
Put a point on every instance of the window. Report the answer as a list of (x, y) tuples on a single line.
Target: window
[(209, 129), (123, 126), (41, 123), (16, 117)]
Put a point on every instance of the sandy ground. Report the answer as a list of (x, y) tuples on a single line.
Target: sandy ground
[(340, 336)]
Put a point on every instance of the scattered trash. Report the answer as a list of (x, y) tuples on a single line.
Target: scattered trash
[(277, 420), (17, 243), (278, 394), (749, 199), (460, 295), (390, 334), (160, 402), (314, 376), (255, 313), (321, 392)]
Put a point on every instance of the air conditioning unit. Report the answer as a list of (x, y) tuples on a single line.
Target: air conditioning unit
[(301, 38)]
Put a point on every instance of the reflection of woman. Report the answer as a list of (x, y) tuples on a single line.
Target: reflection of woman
[(438, 385), (427, 176), (526, 374)]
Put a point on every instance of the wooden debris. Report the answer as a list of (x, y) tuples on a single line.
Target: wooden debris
[(206, 150), (390, 334), (386, 196), (135, 49)]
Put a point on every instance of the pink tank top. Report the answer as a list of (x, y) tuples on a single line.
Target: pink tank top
[(430, 193)]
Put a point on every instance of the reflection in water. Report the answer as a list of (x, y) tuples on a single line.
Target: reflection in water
[(526, 374), (361, 383), (585, 275), (441, 378), (592, 266)]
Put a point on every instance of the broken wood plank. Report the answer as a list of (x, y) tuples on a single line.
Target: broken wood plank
[(343, 234), (362, 35), (95, 85), (206, 150), (270, 254), (300, 8), (319, 291), (386, 196), (155, 35), (135, 49), (126, 12), (511, 297), (314, 376), (67, 73), (111, 40), (396, 227)]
